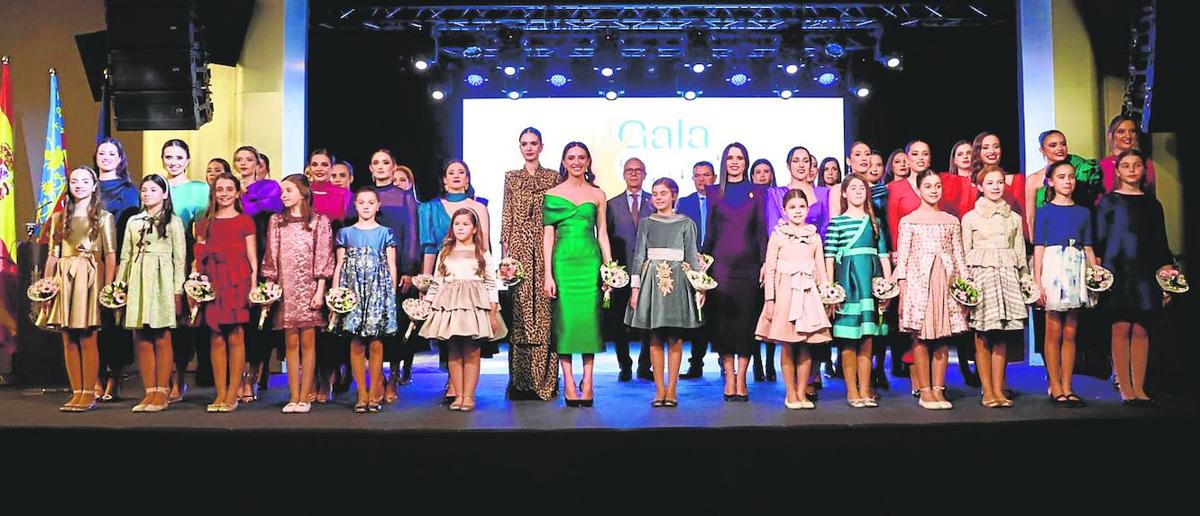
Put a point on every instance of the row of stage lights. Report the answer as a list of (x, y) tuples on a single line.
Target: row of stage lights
[(824, 76)]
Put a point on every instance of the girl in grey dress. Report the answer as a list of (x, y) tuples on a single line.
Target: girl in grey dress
[(662, 301)]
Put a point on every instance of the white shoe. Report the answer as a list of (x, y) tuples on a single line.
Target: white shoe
[(289, 408), (807, 405), (856, 403), (930, 405), (303, 407), (870, 403), (945, 405), (140, 407), (797, 405)]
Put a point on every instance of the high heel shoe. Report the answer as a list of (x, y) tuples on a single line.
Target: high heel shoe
[(585, 402)]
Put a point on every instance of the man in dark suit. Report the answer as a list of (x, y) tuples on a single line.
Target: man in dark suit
[(695, 206), (624, 212)]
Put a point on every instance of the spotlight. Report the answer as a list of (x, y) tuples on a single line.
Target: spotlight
[(785, 94), (510, 70), (421, 65), (514, 95), (472, 52), (893, 62), (610, 95), (607, 71), (689, 95), (437, 94), (558, 80), (791, 69), (834, 50), (439, 90), (475, 79), (698, 68), (862, 91), (826, 76), (739, 79)]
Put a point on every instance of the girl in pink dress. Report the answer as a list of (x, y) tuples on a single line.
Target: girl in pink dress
[(299, 257), (793, 314), (929, 256)]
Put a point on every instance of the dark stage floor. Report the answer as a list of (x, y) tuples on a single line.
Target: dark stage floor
[(618, 406)]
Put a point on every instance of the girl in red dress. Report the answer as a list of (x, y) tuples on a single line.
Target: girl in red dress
[(227, 252)]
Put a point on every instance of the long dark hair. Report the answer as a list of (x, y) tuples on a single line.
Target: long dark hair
[(562, 170), (821, 169), (725, 174), (449, 241), (168, 209), (470, 191), (953, 170), (93, 212), (976, 156), (763, 161), (122, 167), (224, 164), (211, 213), (889, 174)]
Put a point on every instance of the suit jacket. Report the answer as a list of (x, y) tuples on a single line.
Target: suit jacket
[(622, 232), (689, 206)]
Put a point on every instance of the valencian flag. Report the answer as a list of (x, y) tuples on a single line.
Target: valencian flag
[(54, 164), (8, 215)]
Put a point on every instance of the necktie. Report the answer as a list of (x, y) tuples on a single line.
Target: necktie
[(703, 217), (634, 208)]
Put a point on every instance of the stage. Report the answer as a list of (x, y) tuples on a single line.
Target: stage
[(522, 440)]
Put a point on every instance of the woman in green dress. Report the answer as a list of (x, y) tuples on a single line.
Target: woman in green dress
[(574, 239), (663, 302)]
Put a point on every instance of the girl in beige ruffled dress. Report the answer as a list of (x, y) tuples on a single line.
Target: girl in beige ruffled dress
[(465, 305)]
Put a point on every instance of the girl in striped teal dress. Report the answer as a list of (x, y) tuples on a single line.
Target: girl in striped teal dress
[(855, 254)]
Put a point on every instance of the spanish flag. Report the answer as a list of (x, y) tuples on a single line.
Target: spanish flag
[(54, 158), (8, 215)]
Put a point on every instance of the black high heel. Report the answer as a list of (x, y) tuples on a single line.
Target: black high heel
[(583, 402)]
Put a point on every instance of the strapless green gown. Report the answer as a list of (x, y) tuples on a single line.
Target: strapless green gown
[(576, 263)]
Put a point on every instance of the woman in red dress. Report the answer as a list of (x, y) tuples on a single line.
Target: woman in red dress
[(958, 181)]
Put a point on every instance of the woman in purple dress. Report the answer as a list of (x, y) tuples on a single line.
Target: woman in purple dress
[(737, 241), (260, 199)]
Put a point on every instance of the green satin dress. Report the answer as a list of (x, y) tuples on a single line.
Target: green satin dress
[(576, 268)]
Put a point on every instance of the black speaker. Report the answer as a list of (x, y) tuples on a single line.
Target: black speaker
[(93, 51), (157, 65)]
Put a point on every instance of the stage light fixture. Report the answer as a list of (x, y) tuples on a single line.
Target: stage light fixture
[(475, 79), (514, 95), (698, 68), (826, 75), (472, 52), (437, 94), (421, 65), (862, 91), (893, 62), (739, 79), (611, 95), (510, 70), (785, 94), (689, 95), (607, 71), (558, 80), (791, 69), (834, 50)]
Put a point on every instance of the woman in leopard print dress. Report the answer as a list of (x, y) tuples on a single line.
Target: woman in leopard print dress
[(532, 361)]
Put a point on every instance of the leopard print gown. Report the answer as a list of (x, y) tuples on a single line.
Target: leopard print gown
[(532, 361)]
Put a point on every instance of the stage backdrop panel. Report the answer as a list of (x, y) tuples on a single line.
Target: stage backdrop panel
[(669, 134)]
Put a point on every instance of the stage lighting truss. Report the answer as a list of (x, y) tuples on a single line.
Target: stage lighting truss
[(1139, 83)]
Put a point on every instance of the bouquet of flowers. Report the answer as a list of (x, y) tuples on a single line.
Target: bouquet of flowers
[(340, 301), (1172, 281), (43, 290), (832, 294), (417, 310), (614, 276), (1030, 290), (422, 282), (700, 281), (965, 291), (705, 260), (511, 272), (200, 290), (1098, 279), (114, 295), (265, 294), (882, 288)]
